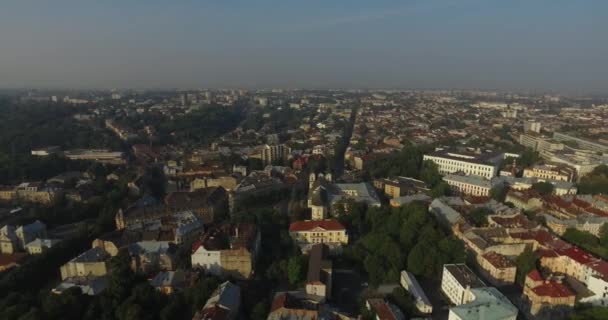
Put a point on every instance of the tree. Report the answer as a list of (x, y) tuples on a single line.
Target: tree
[(525, 263), (479, 216), (429, 173), (604, 234), (295, 270), (498, 193), (544, 188), (441, 189)]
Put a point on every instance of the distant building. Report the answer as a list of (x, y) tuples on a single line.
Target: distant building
[(498, 267), (152, 256), (384, 310), (14, 239), (39, 246), (469, 185), (89, 285), (532, 126), (273, 153), (551, 172), (480, 164)]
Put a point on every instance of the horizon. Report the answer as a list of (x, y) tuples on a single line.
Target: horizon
[(545, 46)]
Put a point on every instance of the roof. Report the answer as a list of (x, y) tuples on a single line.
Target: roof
[(227, 296), (228, 236), (553, 289), (498, 260), (464, 275), (317, 263), (329, 225), (489, 304)]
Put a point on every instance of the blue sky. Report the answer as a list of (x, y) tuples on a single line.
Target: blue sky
[(536, 45)]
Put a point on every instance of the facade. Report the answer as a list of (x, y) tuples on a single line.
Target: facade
[(38, 246), (319, 277), (14, 239), (469, 185), (546, 293), (308, 233), (408, 282), (228, 250), (401, 186), (551, 172), (457, 281), (499, 268), (91, 263), (484, 165), (274, 153)]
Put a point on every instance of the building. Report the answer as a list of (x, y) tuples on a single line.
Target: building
[(546, 293), (204, 202), (319, 276), (152, 256), (551, 172), (14, 239), (500, 269), (273, 153), (310, 232), (169, 282), (384, 310), (93, 262), (89, 285), (99, 155), (223, 304), (581, 143), (485, 303), (401, 186), (36, 192), (160, 223), (457, 281), (539, 143), (469, 185), (532, 126), (469, 163), (294, 306), (39, 246), (11, 260), (228, 250), (408, 282), (324, 195)]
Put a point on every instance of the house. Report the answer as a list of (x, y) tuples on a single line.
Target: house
[(151, 256), (310, 232), (168, 282), (38, 246), (384, 310), (228, 250), (498, 267), (14, 239), (93, 262), (224, 303), (319, 276), (546, 293)]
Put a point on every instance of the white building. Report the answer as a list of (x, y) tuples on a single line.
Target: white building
[(409, 283), (480, 164), (469, 185), (485, 303), (457, 281)]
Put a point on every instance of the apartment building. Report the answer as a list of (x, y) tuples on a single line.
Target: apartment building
[(457, 281), (319, 276), (551, 172), (546, 293), (93, 262), (408, 282), (498, 267)]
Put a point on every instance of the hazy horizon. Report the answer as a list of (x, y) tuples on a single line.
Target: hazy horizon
[(544, 46)]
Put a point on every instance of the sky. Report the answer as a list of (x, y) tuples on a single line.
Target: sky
[(529, 45)]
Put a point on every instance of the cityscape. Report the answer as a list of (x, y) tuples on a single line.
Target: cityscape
[(233, 160)]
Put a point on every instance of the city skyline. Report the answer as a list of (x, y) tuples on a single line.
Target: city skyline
[(546, 46)]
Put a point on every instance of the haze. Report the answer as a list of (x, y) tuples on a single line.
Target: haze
[(547, 45)]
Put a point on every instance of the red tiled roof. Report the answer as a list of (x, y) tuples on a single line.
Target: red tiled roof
[(331, 225), (553, 289), (577, 254), (534, 275)]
